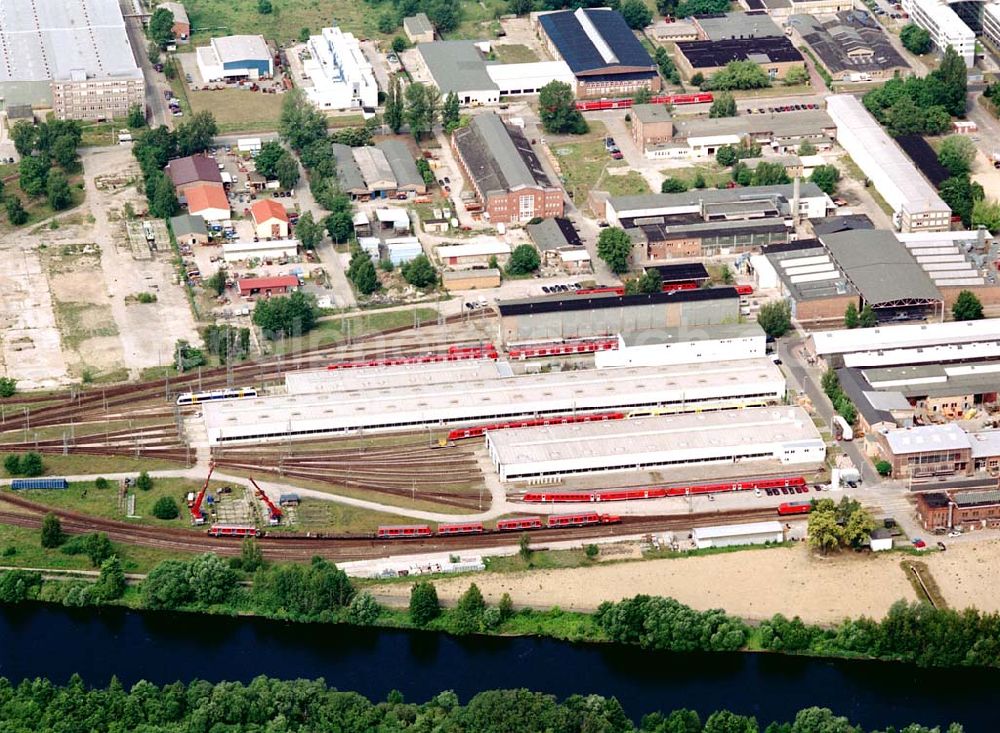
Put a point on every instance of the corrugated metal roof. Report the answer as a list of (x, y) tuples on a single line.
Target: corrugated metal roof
[(348, 172), (880, 267), (593, 39), (402, 162), (498, 157)]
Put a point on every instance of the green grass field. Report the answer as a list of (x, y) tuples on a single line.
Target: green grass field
[(334, 330), (80, 465), (585, 167), (713, 174), (84, 497), (514, 53)]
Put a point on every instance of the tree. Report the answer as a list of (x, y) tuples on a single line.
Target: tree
[(399, 44), (8, 387), (339, 226), (726, 156), (915, 39), (287, 172), (144, 481), (769, 174), (796, 75), (388, 22), (363, 610), (520, 7), (195, 135), (851, 315), (167, 585), (419, 272), (673, 185), (422, 103), (136, 116), (98, 548), (111, 580), (57, 190), (304, 34), (523, 259), (807, 148), (266, 160), (63, 150), (31, 465), (33, 171), (166, 508), (308, 232), (883, 467), (289, 315), (723, 106), (300, 124), (210, 578), (424, 605), (524, 548), (264, 7), (867, 317), (739, 75), (364, 277), (775, 318), (826, 177), (24, 134), (651, 281), (636, 14), (984, 213), (956, 154), (723, 721), (687, 8), (450, 116), (16, 213), (614, 247), (557, 109), (444, 15), (161, 27), (961, 194), (251, 556), (163, 202), (824, 532), (967, 307), (468, 614), (699, 180), (953, 77), (393, 114), (858, 526), (153, 53), (52, 534)]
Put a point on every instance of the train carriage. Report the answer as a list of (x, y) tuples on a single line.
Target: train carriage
[(405, 530), (519, 523), (215, 395), (455, 529), (233, 530)]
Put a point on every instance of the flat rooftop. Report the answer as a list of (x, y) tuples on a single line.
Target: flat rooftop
[(765, 49), (692, 333), (697, 197), (456, 66), (314, 381), (807, 271), (914, 335), (538, 306), (736, 530), (718, 26), (937, 380), (64, 40), (471, 400), (699, 433)]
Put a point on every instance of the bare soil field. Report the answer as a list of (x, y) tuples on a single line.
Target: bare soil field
[(753, 584)]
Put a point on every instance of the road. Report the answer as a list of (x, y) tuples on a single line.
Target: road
[(155, 103)]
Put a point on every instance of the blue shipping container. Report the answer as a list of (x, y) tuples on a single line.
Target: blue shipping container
[(39, 483)]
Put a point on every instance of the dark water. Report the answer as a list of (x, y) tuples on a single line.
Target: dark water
[(55, 642)]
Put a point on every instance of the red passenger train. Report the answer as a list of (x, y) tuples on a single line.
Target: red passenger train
[(520, 523), (406, 530), (477, 431), (467, 528), (583, 519), (593, 105), (233, 530), (561, 348), (454, 353), (620, 290), (658, 492)]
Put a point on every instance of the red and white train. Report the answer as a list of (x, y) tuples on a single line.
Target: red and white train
[(595, 105), (555, 521), (659, 492)]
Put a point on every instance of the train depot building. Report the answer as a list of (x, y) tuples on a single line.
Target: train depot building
[(774, 436), (362, 406), (734, 535)]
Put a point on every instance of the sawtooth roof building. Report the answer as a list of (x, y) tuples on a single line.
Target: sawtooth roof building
[(601, 50), (73, 56), (851, 45), (505, 172)]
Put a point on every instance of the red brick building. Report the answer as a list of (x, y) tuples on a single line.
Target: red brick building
[(964, 510), (504, 171), (267, 286)]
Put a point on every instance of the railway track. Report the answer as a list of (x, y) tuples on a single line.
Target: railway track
[(343, 548)]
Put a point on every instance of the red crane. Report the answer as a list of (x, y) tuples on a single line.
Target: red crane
[(273, 512), (196, 516)]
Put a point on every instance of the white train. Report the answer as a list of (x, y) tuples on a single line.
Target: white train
[(196, 398)]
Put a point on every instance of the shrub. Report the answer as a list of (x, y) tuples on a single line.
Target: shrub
[(143, 481), (166, 508)]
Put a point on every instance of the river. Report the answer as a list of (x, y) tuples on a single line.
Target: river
[(55, 642)]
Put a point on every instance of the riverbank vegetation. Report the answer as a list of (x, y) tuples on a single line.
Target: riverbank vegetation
[(321, 592), (277, 706)]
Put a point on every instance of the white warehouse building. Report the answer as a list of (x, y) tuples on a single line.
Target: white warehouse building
[(946, 28), (734, 535), (914, 201), (908, 344), (718, 386), (783, 436), (686, 345), (316, 381), (340, 74)]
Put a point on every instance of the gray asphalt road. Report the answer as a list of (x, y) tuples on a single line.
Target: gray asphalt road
[(155, 103)]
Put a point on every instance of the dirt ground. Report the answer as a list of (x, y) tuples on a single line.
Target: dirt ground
[(752, 584)]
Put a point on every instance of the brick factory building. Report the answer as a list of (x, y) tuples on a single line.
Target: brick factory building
[(505, 172), (962, 510)]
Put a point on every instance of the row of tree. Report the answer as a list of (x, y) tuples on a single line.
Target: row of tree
[(279, 706), (841, 402), (835, 526), (48, 156), (285, 316)]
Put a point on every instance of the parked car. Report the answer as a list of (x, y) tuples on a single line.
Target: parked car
[(919, 543)]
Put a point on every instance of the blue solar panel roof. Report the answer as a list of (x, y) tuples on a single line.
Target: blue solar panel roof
[(579, 51)]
